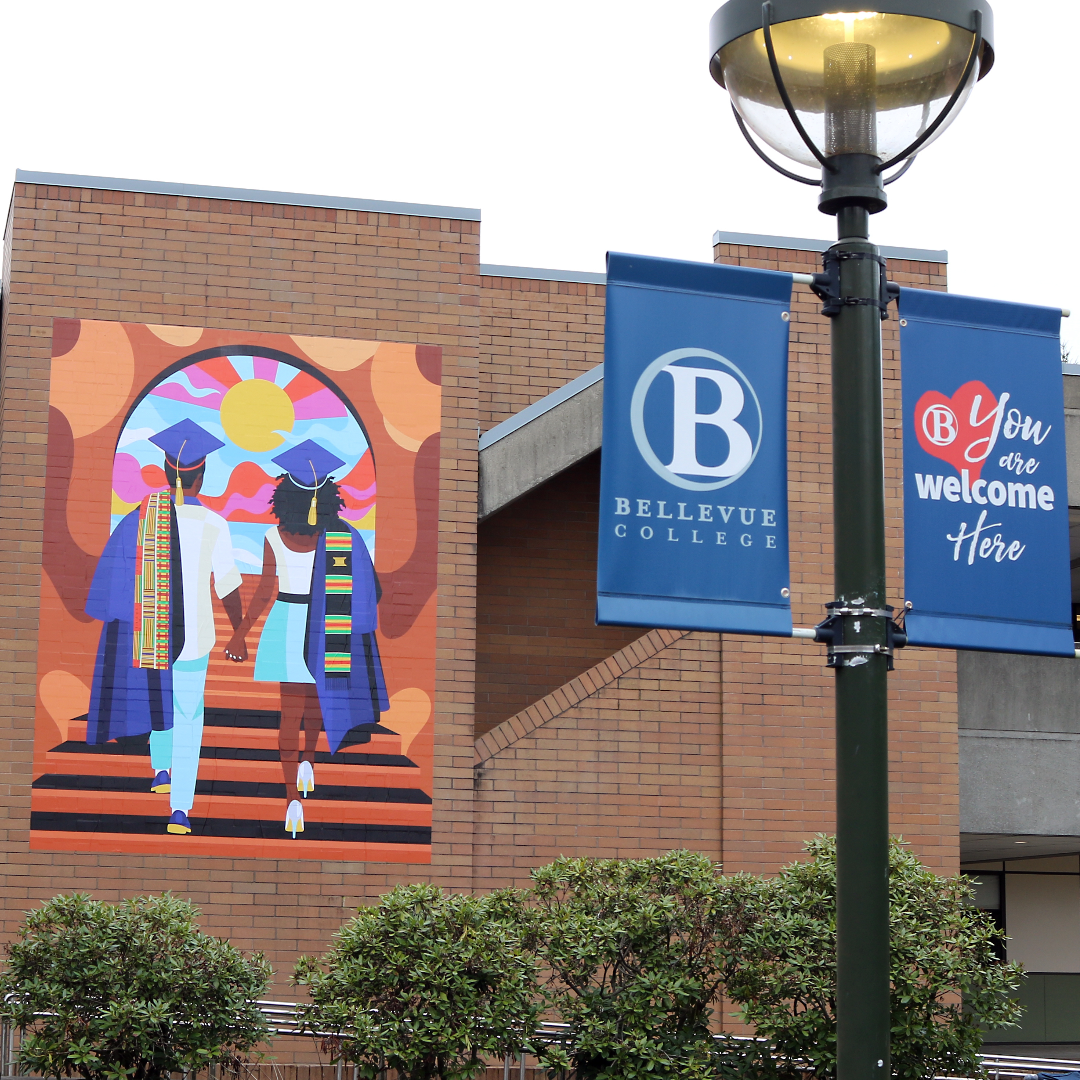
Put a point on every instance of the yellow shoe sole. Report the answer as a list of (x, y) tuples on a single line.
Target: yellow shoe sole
[(179, 830), (161, 789)]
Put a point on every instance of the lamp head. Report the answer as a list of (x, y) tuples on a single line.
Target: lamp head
[(864, 83)]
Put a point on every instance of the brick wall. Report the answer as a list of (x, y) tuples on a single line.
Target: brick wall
[(622, 762), (535, 336), (168, 259), (536, 596)]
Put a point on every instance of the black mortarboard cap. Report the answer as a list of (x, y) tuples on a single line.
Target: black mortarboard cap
[(308, 463), (186, 444)]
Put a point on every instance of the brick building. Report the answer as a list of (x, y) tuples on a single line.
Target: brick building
[(551, 735)]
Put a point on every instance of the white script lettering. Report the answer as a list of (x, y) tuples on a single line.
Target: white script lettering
[(984, 545)]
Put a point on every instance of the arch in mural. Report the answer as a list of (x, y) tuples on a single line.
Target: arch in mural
[(258, 402)]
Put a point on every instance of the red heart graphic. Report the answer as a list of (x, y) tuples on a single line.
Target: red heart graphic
[(960, 430)]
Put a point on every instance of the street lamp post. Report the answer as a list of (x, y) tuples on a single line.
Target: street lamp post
[(855, 93)]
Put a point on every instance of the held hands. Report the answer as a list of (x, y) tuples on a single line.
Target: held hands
[(236, 650)]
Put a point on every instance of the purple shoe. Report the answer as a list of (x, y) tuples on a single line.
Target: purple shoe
[(162, 784), (179, 823)]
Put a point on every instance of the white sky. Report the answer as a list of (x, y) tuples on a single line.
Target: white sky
[(577, 126)]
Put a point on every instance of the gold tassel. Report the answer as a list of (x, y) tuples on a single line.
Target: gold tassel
[(179, 486), (312, 517)]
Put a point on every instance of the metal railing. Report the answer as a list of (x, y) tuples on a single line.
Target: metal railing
[(283, 1019), (1008, 1067)]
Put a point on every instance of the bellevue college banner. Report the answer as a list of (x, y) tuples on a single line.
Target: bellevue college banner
[(986, 516), (693, 480)]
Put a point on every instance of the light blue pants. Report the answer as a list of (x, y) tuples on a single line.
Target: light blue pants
[(161, 750), (179, 748)]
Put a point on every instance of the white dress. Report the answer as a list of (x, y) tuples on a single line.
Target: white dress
[(280, 656)]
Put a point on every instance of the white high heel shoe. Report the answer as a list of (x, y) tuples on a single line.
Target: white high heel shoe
[(294, 818), (305, 778)]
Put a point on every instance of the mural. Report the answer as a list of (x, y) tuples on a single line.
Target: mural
[(234, 658)]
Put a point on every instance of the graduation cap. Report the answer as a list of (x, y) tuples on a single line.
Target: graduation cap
[(186, 446), (309, 465)]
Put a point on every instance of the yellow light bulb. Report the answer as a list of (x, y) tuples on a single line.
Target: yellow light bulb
[(849, 19)]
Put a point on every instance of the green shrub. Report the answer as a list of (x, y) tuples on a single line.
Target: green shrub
[(129, 991), (946, 978), (426, 983), (635, 952)]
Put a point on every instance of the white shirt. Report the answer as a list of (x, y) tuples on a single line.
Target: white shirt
[(205, 549)]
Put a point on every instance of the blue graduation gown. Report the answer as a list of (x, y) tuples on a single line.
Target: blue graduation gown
[(359, 697), (124, 700)]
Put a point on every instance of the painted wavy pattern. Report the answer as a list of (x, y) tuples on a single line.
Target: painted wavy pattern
[(323, 403), (247, 497)]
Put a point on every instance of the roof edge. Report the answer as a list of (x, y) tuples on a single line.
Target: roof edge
[(252, 195), (533, 273), (798, 243)]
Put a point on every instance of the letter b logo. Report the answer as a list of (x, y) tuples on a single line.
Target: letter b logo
[(686, 420), (939, 425), (736, 415)]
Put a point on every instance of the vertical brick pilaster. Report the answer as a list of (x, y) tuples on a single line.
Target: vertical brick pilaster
[(779, 773), (248, 267)]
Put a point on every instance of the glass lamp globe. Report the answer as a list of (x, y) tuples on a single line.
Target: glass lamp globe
[(864, 82)]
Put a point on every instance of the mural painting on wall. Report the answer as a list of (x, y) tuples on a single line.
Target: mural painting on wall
[(237, 635)]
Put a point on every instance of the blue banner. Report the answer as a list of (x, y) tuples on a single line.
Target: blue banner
[(693, 475), (986, 516)]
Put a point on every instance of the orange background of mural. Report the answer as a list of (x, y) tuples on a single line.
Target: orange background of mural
[(98, 371)]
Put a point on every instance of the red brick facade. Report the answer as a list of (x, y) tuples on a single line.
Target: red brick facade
[(535, 336), (536, 596), (552, 736)]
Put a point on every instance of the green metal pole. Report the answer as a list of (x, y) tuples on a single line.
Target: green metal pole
[(862, 764)]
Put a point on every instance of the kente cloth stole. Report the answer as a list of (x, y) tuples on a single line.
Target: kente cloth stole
[(339, 588), (153, 582)]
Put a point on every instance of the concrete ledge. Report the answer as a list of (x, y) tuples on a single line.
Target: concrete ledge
[(1019, 783), (1072, 431), (1016, 696), (798, 243), (1019, 747), (534, 273), (540, 442), (251, 195), (989, 847)]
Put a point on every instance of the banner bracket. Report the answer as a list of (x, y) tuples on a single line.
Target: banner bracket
[(827, 285), (843, 653)]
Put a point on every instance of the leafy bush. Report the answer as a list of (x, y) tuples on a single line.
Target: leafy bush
[(426, 983), (635, 952), (129, 991), (946, 978)]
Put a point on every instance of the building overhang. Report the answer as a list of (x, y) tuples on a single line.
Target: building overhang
[(988, 847), (541, 441)]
